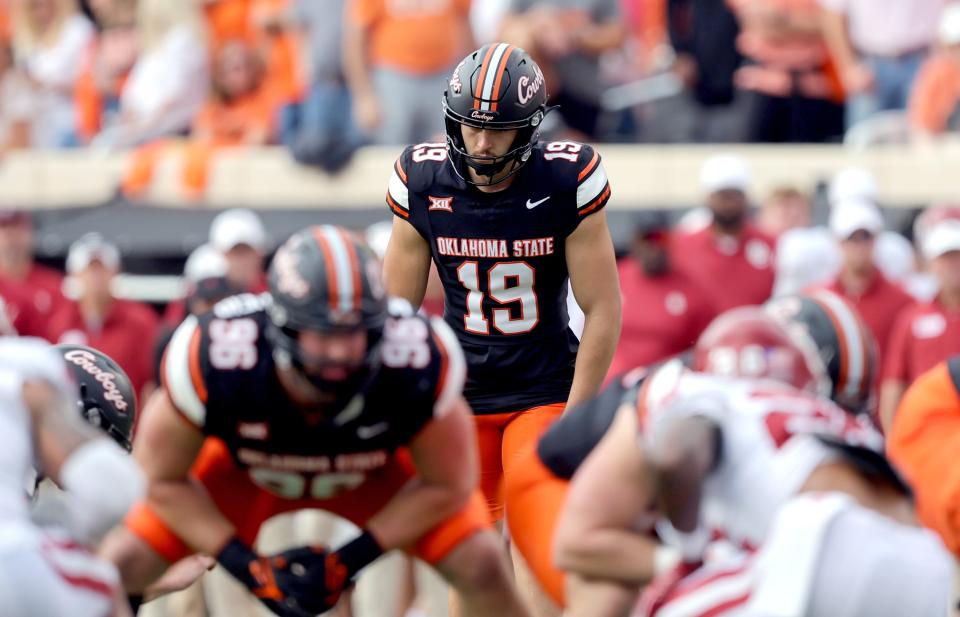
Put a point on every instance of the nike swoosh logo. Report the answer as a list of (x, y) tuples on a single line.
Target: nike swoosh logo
[(533, 204), (369, 432)]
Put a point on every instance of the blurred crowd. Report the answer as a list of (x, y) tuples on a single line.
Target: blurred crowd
[(903, 279), (324, 78)]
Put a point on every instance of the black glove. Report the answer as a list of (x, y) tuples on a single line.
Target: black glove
[(268, 578)]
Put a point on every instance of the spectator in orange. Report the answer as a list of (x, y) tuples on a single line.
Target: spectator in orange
[(240, 112), (797, 93), (935, 99), (41, 285), (394, 52), (786, 208), (105, 67), (122, 329), (927, 332), (48, 37)]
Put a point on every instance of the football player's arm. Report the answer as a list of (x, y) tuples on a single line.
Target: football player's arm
[(607, 542), (445, 457), (100, 480), (593, 277), (406, 266), (166, 447)]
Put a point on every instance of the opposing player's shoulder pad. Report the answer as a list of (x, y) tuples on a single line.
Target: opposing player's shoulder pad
[(453, 366), (182, 374)]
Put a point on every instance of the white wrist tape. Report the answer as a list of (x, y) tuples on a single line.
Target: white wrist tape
[(102, 482), (665, 559), (691, 546)]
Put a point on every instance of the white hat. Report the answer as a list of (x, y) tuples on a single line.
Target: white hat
[(852, 182), (942, 238), (724, 171), (205, 262), (805, 257), (239, 226), (948, 29), (853, 214), (92, 247)]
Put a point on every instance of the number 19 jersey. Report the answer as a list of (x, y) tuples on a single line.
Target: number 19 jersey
[(502, 261)]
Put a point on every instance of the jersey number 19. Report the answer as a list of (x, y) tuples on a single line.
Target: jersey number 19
[(507, 282)]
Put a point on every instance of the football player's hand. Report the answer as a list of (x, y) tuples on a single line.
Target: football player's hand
[(270, 579), (314, 577)]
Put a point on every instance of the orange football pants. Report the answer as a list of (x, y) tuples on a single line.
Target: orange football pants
[(535, 497), (500, 438), (247, 506)]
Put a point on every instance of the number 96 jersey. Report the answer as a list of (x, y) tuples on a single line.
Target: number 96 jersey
[(220, 374), (502, 261)]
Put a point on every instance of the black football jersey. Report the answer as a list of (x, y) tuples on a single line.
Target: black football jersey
[(501, 257), (220, 374)]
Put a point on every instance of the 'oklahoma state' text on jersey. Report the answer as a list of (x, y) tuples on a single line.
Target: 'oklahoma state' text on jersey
[(220, 374), (502, 260)]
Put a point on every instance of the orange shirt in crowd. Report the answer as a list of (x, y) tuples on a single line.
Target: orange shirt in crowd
[(935, 95), (126, 335), (247, 120), (784, 59), (923, 444), (229, 20), (413, 36), (226, 20), (923, 335)]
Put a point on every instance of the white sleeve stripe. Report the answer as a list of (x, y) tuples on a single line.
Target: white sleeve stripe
[(591, 188), (456, 367), (398, 191), (176, 373)]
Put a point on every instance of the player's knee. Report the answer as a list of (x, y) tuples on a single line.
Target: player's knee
[(478, 564)]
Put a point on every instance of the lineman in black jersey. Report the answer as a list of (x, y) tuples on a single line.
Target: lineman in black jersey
[(313, 396), (508, 221)]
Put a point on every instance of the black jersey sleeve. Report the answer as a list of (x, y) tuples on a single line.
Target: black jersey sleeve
[(577, 169), (413, 173), (593, 187), (398, 192)]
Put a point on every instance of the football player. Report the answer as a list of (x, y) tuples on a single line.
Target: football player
[(541, 483), (312, 396), (46, 571), (769, 468), (508, 221)]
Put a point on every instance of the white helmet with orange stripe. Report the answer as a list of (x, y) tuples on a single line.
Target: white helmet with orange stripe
[(325, 283), (832, 328)]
